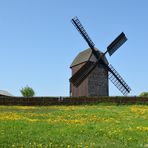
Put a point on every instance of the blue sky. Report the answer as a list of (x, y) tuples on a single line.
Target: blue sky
[(38, 42)]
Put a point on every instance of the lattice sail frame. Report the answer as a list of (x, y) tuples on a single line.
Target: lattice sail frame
[(118, 81), (75, 21)]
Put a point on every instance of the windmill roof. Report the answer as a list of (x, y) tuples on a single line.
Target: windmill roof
[(5, 93), (84, 56)]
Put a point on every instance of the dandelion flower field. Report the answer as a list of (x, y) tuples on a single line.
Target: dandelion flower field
[(87, 126)]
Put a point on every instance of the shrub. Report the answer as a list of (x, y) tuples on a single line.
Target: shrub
[(27, 92), (144, 94)]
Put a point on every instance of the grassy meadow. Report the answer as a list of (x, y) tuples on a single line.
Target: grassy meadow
[(87, 126)]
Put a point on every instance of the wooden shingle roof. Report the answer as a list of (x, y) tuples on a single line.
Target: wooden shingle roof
[(84, 56)]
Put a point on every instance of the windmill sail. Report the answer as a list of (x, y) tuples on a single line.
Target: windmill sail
[(82, 73), (80, 28), (118, 81), (118, 42)]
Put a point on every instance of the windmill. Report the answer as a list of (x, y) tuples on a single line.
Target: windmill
[(91, 70)]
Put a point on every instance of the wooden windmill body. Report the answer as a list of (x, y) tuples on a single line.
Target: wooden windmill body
[(91, 70), (96, 83)]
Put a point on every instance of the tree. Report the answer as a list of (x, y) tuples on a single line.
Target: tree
[(27, 91), (144, 94)]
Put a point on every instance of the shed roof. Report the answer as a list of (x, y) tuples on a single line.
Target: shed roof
[(84, 56), (5, 93)]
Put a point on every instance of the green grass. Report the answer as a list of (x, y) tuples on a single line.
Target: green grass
[(94, 126)]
